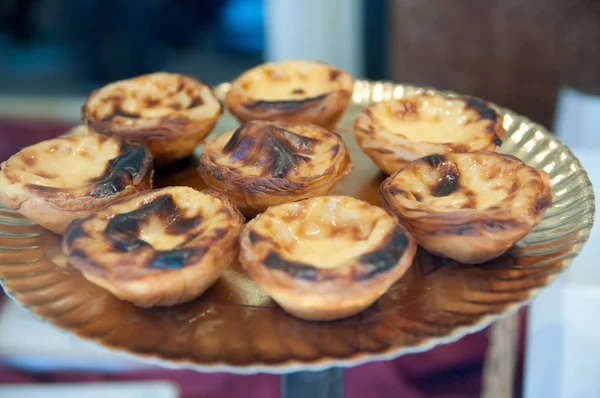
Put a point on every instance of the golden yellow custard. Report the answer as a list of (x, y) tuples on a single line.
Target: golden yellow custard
[(394, 133), (56, 181), (158, 248), (261, 164), (172, 113), (468, 207), (325, 258), (294, 91)]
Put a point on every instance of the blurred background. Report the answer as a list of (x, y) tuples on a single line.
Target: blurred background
[(515, 53), (537, 57), (67, 47)]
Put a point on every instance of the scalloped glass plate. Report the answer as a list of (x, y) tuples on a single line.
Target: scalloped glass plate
[(236, 327)]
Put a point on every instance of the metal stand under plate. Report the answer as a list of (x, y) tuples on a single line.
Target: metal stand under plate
[(327, 383)]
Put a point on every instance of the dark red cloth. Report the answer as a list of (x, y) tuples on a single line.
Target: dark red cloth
[(16, 134), (449, 371)]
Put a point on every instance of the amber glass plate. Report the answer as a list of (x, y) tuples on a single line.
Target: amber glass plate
[(236, 327)]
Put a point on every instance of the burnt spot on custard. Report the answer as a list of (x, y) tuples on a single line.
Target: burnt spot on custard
[(448, 183), (219, 233), (293, 268), (495, 226), (449, 180), (385, 257), (182, 225), (434, 161), (79, 254), (151, 102), (284, 104), (542, 203), (334, 73), (408, 108), (378, 261), (129, 225), (464, 230), (196, 101), (494, 171), (75, 231), (481, 107), (515, 186), (334, 151), (171, 259), (42, 189), (117, 98), (298, 91), (85, 154), (274, 149), (28, 159), (120, 171), (394, 190), (471, 202), (459, 148), (119, 112), (123, 231)]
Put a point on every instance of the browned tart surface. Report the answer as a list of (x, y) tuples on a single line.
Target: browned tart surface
[(266, 163), (172, 112), (396, 132), (295, 91), (326, 257), (57, 180), (470, 207), (158, 248)]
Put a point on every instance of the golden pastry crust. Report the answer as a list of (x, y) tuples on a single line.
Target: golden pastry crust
[(468, 207), (396, 132), (326, 258), (172, 113), (81, 129), (56, 181), (262, 164), (294, 91), (158, 248)]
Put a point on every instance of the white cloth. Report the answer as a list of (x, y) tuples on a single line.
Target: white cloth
[(563, 344)]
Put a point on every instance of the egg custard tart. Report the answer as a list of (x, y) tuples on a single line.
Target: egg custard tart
[(294, 91), (172, 113), (468, 207), (261, 164), (56, 181), (158, 248), (325, 258), (396, 132)]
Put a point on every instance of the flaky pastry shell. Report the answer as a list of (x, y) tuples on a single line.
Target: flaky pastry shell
[(172, 113), (262, 164), (394, 133), (468, 207), (325, 258), (157, 248), (294, 91), (58, 180)]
